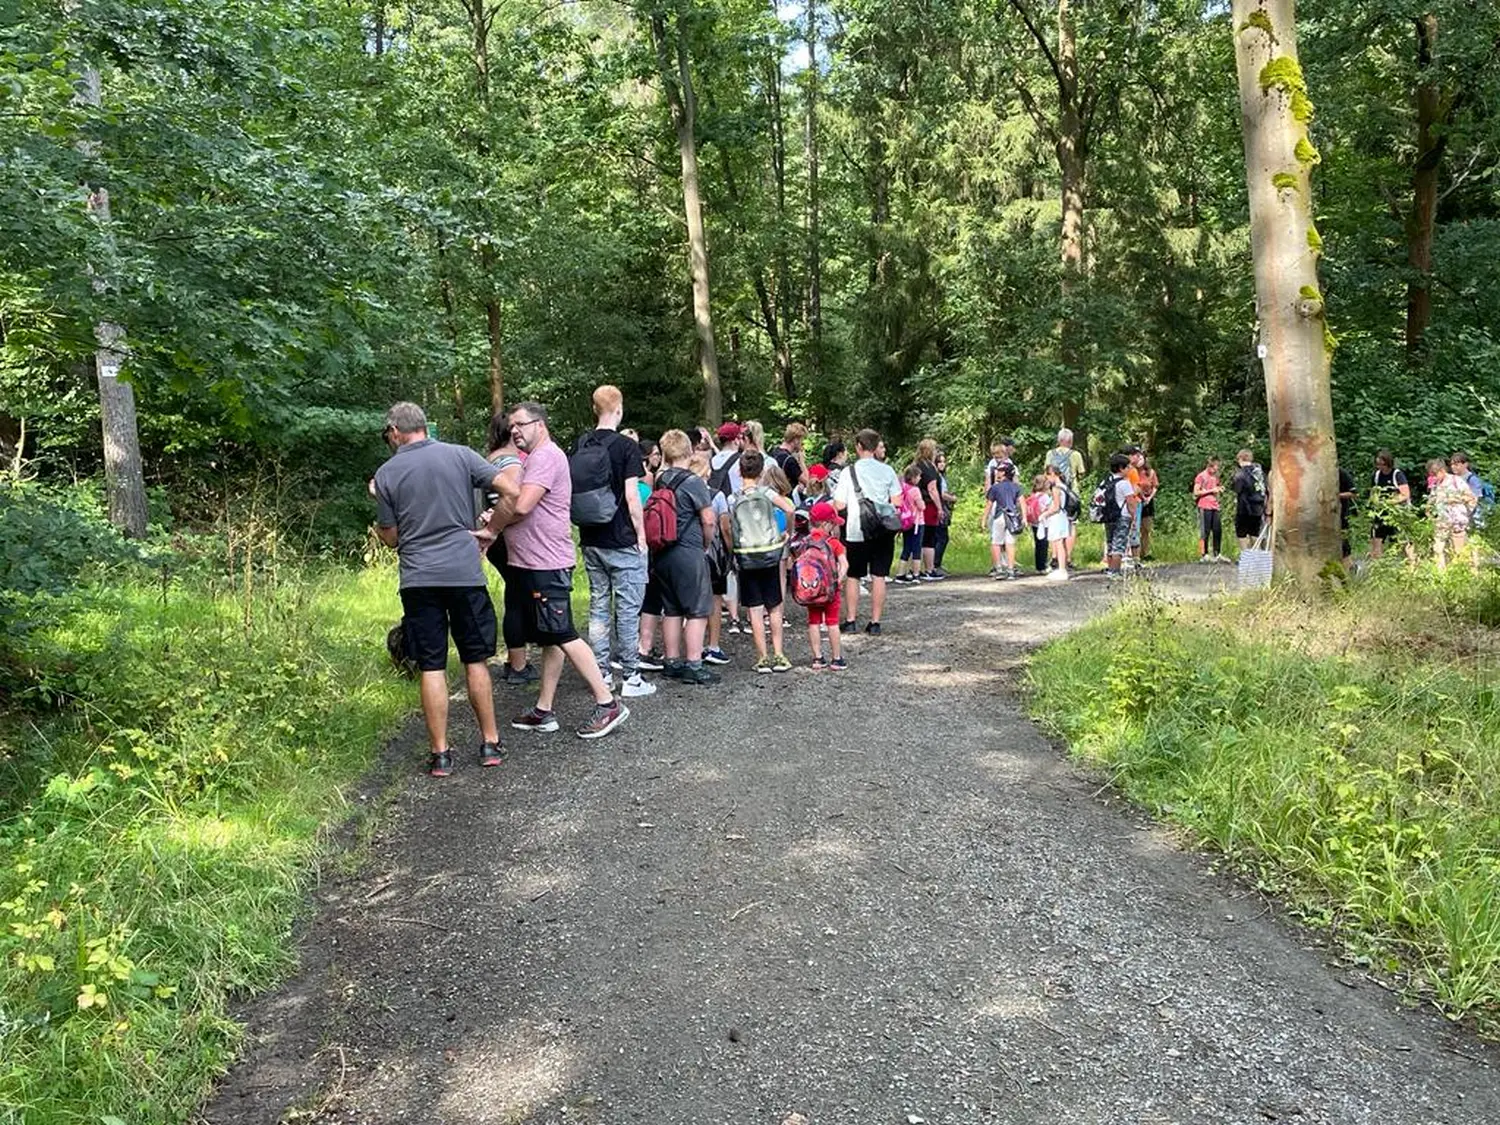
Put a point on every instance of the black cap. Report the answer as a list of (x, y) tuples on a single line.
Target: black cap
[(1007, 441)]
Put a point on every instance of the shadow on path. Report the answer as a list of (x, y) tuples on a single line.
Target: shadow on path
[(873, 897)]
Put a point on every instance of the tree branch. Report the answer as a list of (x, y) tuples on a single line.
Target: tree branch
[(1041, 41)]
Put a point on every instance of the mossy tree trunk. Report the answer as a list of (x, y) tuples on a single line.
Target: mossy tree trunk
[(1295, 344)]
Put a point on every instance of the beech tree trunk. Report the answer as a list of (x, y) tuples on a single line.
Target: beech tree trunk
[(814, 257), (677, 83), (1294, 343), (124, 474), (1421, 224)]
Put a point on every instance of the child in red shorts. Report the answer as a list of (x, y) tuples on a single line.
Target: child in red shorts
[(824, 518)]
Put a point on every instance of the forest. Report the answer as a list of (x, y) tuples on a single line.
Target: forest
[(936, 218), (233, 232)]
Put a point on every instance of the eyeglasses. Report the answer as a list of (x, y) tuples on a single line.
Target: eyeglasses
[(521, 425)]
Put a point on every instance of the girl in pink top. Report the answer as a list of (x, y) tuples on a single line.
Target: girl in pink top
[(1206, 489)]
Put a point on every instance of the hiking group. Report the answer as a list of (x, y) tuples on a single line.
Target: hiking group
[(681, 541), (685, 540)]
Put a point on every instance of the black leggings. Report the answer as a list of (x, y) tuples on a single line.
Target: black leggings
[(1039, 553), (940, 546), (1211, 526), (513, 621)]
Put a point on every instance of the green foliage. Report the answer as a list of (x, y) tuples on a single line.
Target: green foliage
[(160, 825), (1346, 754)]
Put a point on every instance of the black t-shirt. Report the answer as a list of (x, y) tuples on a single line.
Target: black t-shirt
[(624, 462), (789, 464), (1248, 500), (930, 475), (1346, 504), (692, 497)]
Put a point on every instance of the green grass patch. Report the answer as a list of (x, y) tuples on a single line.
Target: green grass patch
[(173, 755), (1344, 752)]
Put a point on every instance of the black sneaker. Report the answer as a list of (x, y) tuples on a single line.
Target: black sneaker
[(603, 719), (848, 626), (535, 719), (873, 628), (699, 675), (939, 573), (489, 754), (673, 669), (646, 662), (526, 675), (439, 763), (715, 656)]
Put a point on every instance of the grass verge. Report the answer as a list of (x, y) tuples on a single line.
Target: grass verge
[(1343, 752), (169, 774)]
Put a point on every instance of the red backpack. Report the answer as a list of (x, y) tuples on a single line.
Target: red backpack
[(660, 517), (815, 574)]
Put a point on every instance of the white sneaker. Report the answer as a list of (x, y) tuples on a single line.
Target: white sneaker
[(1058, 575), (634, 687)]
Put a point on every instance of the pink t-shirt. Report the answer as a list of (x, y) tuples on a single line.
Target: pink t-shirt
[(1209, 501), (543, 539)]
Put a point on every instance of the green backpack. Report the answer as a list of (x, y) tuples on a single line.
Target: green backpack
[(758, 538)]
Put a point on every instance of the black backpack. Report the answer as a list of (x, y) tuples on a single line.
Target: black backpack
[(718, 480), (594, 500)]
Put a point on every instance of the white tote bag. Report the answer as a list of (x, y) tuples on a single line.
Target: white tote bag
[(1255, 562)]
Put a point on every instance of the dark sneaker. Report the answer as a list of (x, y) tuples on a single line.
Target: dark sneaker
[(839, 665), (819, 664), (526, 675), (715, 656), (535, 719), (603, 719), (939, 573), (672, 669), (699, 675), (873, 628), (439, 763), (848, 626), (489, 754), (646, 662)]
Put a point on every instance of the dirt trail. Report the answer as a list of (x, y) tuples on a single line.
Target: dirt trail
[(873, 897)]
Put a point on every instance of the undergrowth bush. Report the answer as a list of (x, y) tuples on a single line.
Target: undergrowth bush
[(1344, 752), (169, 766)]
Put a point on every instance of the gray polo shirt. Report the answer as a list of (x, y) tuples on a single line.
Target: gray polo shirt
[(426, 492)]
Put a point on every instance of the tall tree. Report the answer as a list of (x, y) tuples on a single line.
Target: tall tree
[(670, 38), (124, 475), (1295, 342)]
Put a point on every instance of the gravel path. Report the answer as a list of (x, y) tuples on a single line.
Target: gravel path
[(876, 897)]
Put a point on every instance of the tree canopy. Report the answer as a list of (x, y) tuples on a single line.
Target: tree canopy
[(945, 218)]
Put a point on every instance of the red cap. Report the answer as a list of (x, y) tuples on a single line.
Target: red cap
[(818, 471), (729, 431), (824, 512)]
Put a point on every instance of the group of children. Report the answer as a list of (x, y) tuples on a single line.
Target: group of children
[(712, 529)]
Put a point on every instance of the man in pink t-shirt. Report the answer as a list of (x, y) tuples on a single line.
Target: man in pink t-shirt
[(539, 542)]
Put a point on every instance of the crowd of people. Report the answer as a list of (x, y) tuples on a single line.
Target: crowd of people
[(695, 536)]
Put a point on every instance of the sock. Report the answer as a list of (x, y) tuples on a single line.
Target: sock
[(695, 664)]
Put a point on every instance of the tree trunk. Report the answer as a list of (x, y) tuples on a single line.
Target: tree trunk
[(1072, 156), (124, 475), (379, 28), (497, 370), (781, 352), (814, 257), (677, 83), (1421, 224), (1294, 341)]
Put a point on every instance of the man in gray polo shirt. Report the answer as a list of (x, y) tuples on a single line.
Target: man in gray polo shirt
[(424, 499)]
